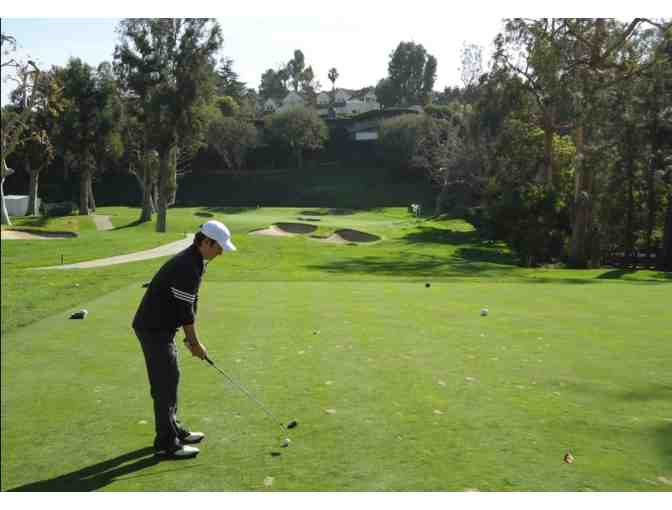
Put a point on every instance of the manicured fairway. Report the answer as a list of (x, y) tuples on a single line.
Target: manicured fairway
[(396, 386)]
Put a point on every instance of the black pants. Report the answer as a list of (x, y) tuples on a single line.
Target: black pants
[(164, 377)]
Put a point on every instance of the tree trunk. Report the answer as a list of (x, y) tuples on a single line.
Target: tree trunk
[(147, 202), (155, 196), (299, 158), (630, 257), (172, 174), (92, 199), (163, 199), (4, 172), (441, 199), (578, 249), (665, 255), (32, 189), (84, 192), (651, 201), (549, 123)]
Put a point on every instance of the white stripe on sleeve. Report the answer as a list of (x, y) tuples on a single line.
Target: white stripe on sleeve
[(184, 296)]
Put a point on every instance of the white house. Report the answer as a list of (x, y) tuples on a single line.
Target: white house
[(323, 99), (270, 106), (345, 103)]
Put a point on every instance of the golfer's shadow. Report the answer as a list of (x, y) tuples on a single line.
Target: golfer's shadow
[(96, 476)]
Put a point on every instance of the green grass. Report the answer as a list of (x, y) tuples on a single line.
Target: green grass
[(428, 395)]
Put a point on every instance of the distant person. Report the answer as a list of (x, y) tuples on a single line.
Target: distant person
[(170, 302)]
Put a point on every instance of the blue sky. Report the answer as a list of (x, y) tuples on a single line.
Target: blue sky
[(355, 37), (359, 51)]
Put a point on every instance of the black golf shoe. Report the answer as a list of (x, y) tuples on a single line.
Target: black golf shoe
[(192, 438), (178, 452)]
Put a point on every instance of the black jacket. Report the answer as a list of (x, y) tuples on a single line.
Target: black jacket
[(171, 300)]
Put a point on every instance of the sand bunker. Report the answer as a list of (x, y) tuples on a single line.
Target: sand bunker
[(34, 235), (285, 229), (355, 236), (348, 235), (345, 235)]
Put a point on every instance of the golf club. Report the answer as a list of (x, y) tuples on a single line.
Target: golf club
[(290, 425)]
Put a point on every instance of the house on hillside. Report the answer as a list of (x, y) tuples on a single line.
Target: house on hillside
[(347, 102), (270, 106)]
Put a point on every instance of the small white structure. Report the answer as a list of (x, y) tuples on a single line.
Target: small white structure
[(341, 97), (362, 136), (323, 99), (17, 205), (270, 106)]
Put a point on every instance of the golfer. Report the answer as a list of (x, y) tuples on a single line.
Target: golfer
[(169, 303)]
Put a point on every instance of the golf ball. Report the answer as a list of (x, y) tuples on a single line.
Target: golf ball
[(484, 312), (286, 442)]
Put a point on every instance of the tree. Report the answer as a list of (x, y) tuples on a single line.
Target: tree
[(108, 138), (232, 137), (400, 138), (471, 65), (428, 79), (140, 161), (273, 84), (595, 70), (38, 151), (297, 129), (386, 93), (170, 64), (295, 69), (15, 126), (539, 52), (91, 134), (227, 81), (333, 76), (309, 86), (411, 75)]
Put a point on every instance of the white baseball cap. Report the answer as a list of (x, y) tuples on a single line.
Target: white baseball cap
[(217, 230)]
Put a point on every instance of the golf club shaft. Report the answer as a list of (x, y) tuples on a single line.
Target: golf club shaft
[(242, 388)]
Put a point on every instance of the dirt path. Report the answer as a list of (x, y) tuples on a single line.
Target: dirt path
[(18, 235), (102, 222), (161, 251)]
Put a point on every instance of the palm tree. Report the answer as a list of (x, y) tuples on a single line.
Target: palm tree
[(333, 76)]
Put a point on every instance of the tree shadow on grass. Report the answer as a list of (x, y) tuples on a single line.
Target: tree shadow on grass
[(132, 224), (654, 392), (433, 235), (664, 439), (412, 266), (225, 210), (616, 274), (331, 212), (99, 475)]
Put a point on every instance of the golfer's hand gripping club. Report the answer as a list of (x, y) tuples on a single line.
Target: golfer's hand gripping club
[(196, 349)]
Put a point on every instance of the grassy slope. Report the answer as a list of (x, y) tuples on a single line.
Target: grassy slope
[(428, 395)]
